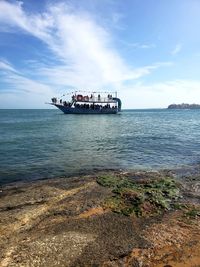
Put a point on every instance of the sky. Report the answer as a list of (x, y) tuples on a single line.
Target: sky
[(146, 50)]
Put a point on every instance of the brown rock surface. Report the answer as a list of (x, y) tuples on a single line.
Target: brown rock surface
[(61, 222)]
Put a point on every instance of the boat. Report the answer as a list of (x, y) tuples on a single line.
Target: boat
[(90, 103)]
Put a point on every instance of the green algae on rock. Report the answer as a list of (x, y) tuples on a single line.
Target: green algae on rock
[(141, 197), (192, 212)]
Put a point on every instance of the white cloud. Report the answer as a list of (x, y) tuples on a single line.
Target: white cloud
[(12, 14), (84, 48), (160, 95), (138, 45), (24, 84), (21, 91), (6, 66), (16, 78), (177, 49)]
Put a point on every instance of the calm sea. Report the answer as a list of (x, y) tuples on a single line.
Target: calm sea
[(46, 143)]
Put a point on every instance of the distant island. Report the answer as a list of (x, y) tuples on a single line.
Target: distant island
[(184, 106)]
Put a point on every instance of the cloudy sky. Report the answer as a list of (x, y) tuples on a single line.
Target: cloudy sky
[(147, 50)]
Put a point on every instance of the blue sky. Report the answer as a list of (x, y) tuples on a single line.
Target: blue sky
[(149, 51)]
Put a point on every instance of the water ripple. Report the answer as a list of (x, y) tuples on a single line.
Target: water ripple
[(46, 143)]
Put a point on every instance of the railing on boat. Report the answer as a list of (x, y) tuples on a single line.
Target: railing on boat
[(95, 99), (109, 99)]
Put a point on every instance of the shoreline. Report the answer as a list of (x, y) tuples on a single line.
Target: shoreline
[(70, 221), (178, 171)]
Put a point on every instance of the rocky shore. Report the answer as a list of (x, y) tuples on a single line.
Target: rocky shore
[(111, 218)]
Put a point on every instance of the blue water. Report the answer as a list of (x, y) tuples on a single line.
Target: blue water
[(46, 143)]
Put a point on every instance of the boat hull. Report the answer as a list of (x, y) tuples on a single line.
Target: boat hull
[(76, 110)]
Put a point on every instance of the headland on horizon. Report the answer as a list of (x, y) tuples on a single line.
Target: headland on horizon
[(184, 106)]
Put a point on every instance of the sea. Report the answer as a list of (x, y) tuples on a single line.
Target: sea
[(38, 144)]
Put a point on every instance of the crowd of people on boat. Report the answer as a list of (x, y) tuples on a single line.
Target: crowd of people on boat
[(94, 106), (89, 106), (81, 98), (90, 98), (83, 106)]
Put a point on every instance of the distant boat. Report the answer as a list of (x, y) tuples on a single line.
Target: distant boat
[(92, 103)]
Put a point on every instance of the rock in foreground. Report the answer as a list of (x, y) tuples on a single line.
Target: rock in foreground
[(108, 219)]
